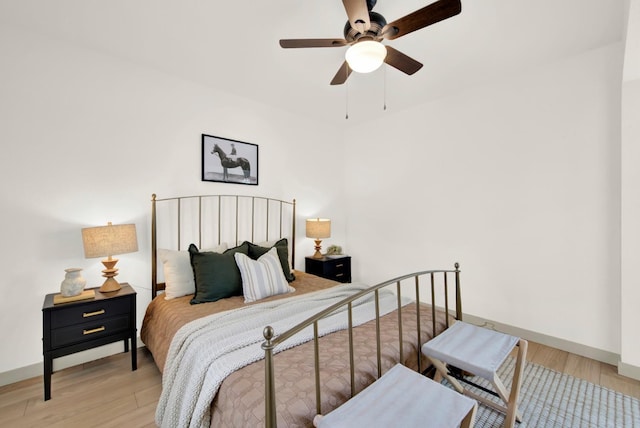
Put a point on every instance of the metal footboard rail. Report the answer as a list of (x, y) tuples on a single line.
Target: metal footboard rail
[(271, 341)]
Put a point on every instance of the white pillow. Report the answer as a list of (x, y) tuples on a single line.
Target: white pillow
[(263, 277), (178, 273)]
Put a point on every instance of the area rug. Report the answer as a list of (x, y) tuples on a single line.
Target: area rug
[(549, 399)]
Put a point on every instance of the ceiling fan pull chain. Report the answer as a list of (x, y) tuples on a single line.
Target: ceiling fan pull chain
[(346, 101), (384, 85)]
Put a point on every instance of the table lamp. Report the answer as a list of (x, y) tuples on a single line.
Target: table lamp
[(107, 241), (318, 228)]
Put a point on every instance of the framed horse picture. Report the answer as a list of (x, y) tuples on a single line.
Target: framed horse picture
[(229, 161)]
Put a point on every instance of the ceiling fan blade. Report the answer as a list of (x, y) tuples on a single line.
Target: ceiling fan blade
[(402, 62), (342, 75), (312, 43), (428, 15), (358, 14)]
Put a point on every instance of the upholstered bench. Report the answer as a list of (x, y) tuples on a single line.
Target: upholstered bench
[(479, 351), (403, 398)]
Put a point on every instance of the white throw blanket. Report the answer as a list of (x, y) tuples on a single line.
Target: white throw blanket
[(205, 351)]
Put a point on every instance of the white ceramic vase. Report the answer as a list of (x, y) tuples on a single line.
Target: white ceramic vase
[(73, 282)]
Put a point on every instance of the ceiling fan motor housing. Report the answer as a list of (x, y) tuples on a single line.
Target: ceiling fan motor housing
[(377, 24)]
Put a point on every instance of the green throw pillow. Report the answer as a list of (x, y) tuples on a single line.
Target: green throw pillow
[(282, 246), (216, 275)]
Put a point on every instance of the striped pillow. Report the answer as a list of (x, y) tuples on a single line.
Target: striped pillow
[(263, 277)]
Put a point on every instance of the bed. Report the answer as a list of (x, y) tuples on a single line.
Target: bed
[(282, 359)]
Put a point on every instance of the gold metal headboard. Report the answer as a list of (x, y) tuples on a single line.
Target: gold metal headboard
[(210, 218)]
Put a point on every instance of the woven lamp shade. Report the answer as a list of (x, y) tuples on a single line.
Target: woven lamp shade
[(318, 228), (104, 241)]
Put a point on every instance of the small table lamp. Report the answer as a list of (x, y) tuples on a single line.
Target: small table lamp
[(107, 241), (318, 228)]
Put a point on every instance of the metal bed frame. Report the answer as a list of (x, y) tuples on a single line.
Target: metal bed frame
[(271, 341), (273, 208)]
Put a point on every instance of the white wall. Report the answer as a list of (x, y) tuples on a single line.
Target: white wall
[(516, 180), (519, 181), (630, 316), (88, 138), (630, 180)]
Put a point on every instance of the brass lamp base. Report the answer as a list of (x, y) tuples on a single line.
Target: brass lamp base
[(110, 284), (318, 247)]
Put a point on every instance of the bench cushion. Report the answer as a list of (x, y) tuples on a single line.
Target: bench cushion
[(401, 398), (475, 349)]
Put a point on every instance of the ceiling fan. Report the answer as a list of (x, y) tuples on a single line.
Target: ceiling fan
[(365, 30)]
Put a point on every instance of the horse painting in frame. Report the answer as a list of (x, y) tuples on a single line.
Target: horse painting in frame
[(221, 157)]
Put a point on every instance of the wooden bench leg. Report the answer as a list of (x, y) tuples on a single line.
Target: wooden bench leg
[(441, 369), (470, 420), (511, 399), (512, 403)]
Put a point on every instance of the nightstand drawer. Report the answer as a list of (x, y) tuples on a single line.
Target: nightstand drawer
[(335, 268), (88, 331), (95, 311)]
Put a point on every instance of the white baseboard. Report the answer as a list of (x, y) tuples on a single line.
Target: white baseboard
[(564, 345), (35, 370), (21, 373), (629, 370)]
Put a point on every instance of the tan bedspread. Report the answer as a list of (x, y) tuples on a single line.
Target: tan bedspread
[(165, 317), (240, 399)]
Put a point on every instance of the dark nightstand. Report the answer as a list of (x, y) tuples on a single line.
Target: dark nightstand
[(335, 268), (72, 327)]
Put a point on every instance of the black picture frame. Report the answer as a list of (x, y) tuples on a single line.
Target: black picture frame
[(229, 161)]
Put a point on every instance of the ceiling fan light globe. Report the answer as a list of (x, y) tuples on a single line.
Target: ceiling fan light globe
[(366, 56)]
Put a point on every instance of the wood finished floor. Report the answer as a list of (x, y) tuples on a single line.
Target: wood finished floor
[(107, 393)]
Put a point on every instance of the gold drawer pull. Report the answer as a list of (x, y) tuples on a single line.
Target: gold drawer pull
[(92, 314), (339, 274), (95, 330), (340, 265)]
